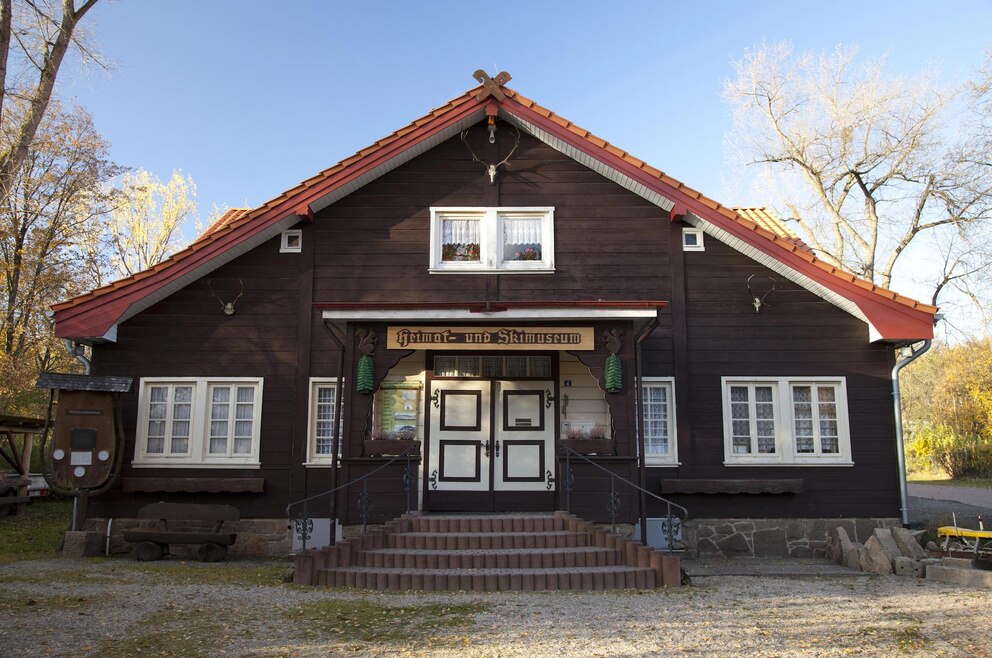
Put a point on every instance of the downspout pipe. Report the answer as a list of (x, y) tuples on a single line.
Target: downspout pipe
[(914, 354), (77, 350), (645, 331)]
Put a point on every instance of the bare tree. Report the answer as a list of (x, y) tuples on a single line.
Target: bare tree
[(40, 33), (863, 163)]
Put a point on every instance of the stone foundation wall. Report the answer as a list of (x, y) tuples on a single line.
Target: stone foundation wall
[(771, 537), (256, 537)]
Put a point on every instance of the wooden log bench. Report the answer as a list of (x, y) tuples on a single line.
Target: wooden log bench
[(153, 544)]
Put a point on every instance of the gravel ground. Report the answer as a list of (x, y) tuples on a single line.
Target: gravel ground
[(116, 607)]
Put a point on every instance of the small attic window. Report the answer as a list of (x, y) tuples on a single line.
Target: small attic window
[(692, 239), (292, 241)]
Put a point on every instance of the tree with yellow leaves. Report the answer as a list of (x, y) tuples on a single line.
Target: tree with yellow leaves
[(145, 224)]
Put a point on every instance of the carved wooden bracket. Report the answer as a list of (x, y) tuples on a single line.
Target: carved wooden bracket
[(613, 340)]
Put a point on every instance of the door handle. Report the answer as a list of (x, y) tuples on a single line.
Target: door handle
[(497, 449), (486, 447)]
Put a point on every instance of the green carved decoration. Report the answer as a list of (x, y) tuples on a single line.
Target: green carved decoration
[(613, 376), (365, 381)]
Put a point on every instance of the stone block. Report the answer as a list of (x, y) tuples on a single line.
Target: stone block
[(747, 527), (734, 545), (887, 543), (908, 543), (863, 530), (849, 550), (907, 566), (835, 553), (932, 546), (796, 529), (707, 547), (723, 529), (770, 543), (959, 576), (874, 559), (800, 550), (80, 543)]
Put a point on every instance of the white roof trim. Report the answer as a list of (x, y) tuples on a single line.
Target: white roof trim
[(781, 268), (401, 158), (556, 313), (206, 268), (583, 158)]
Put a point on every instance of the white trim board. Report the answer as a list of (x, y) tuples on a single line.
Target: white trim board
[(509, 314)]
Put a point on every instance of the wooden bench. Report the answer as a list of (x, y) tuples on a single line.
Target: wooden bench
[(153, 544)]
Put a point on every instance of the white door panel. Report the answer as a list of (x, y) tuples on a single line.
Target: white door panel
[(459, 435), (525, 433)]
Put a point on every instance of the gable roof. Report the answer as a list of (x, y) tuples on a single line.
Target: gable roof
[(889, 315)]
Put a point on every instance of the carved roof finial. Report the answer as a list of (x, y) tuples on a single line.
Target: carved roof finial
[(491, 86)]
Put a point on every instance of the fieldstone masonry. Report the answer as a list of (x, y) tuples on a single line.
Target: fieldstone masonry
[(772, 537), (256, 537)]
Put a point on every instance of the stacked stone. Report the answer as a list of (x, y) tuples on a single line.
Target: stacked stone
[(888, 550)]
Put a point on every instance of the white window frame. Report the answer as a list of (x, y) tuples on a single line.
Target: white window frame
[(313, 459), (785, 439), (490, 244), (698, 232), (285, 247), (672, 457), (199, 439)]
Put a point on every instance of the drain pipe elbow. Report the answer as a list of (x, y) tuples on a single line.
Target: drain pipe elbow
[(76, 350), (915, 353)]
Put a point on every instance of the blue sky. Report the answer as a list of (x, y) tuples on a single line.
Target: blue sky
[(251, 97)]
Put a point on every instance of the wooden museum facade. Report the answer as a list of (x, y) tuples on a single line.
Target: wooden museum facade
[(493, 281)]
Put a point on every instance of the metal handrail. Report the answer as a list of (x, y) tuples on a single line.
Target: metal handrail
[(304, 523), (614, 502)]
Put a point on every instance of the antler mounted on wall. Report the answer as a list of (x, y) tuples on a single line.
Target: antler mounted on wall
[(491, 169), (227, 307)]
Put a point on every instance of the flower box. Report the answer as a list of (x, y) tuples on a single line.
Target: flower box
[(590, 446), (389, 447)]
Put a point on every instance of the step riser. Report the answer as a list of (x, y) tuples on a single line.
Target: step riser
[(573, 581), (485, 524), (454, 560), (448, 542)]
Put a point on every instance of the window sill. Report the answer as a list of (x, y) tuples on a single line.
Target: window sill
[(764, 464), (660, 463), (321, 464), (201, 465), (542, 270)]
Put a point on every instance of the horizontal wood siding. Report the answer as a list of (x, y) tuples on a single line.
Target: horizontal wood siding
[(796, 334), (187, 335), (373, 245)]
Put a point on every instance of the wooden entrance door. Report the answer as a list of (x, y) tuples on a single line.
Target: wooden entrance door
[(524, 422), (491, 446)]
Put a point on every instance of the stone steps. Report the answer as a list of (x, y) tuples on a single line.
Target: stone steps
[(525, 552), (459, 541), (511, 558), (490, 580)]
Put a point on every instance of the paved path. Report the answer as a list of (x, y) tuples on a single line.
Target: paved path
[(974, 496)]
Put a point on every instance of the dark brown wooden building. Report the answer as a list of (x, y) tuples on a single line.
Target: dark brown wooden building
[(472, 281)]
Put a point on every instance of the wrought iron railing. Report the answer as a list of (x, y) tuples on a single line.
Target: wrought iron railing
[(303, 522), (672, 524)]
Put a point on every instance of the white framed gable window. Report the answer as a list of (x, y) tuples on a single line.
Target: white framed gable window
[(780, 421), (658, 395), (465, 240), (291, 241), (692, 239), (189, 422), (322, 409)]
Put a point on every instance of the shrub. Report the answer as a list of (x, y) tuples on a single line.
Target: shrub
[(958, 454)]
